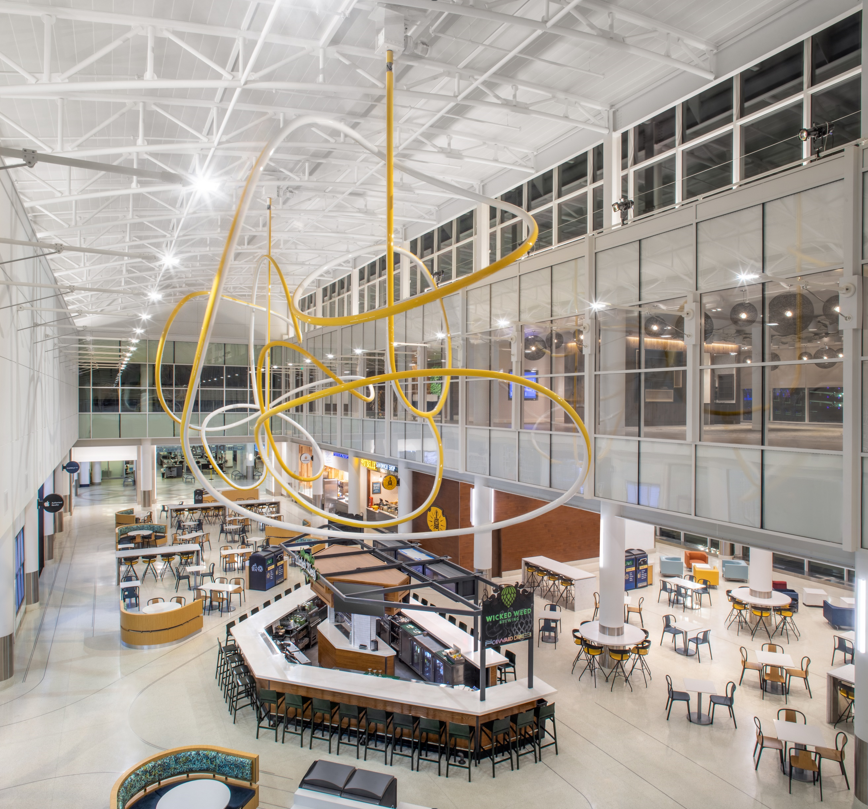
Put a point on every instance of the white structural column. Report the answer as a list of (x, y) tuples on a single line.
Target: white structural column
[(145, 472), (612, 547), (31, 553), (249, 462), (760, 574), (482, 513), (95, 473), (860, 721), (84, 474), (405, 496), (317, 492), (7, 602), (357, 485)]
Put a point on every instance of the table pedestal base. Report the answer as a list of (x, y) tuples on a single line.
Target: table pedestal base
[(700, 718)]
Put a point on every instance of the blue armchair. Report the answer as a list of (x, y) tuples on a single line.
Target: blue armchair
[(839, 617), (735, 570), (671, 566)]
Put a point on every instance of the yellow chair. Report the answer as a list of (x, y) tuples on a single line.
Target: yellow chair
[(707, 573), (592, 652)]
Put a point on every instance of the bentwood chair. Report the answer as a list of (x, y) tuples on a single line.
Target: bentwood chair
[(155, 601), (749, 665), (805, 760), (701, 639), (764, 742), (835, 753), (596, 606), (669, 629), (727, 701), (637, 610), (842, 645)]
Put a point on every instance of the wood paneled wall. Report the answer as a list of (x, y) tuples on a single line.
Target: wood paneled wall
[(566, 534)]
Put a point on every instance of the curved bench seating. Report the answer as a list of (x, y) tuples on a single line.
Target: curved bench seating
[(126, 516), (238, 770), (140, 629)]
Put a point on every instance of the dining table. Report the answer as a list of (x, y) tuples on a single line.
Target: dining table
[(779, 660), (800, 736), (685, 627), (211, 588), (690, 587), (700, 687)]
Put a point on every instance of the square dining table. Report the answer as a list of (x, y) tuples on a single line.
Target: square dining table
[(700, 687)]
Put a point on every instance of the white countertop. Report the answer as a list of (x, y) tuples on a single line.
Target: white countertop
[(560, 568), (161, 606), (846, 674), (163, 550), (778, 599), (267, 665), (201, 793), (451, 635), (340, 641)]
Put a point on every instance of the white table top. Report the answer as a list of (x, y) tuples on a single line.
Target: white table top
[(191, 536), (195, 568), (632, 635), (846, 674), (689, 585), (774, 659), (813, 591), (778, 599), (271, 665), (340, 641), (684, 625), (124, 585), (451, 635), (850, 602), (199, 794), (142, 533), (235, 551), (797, 733), (219, 588), (700, 686), (165, 550), (567, 571), (163, 606), (850, 635)]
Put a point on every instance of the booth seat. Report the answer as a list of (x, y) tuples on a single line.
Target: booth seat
[(839, 617), (735, 569), (159, 530), (126, 516), (238, 770), (671, 566), (692, 557)]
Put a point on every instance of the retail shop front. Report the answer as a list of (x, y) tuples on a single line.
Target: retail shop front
[(335, 482), (382, 494)]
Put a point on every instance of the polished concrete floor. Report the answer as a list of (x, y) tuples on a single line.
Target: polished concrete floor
[(81, 708)]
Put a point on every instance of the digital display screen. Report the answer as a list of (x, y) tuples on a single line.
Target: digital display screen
[(529, 394)]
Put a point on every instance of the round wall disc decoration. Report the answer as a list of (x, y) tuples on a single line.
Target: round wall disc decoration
[(826, 353), (390, 482), (305, 457), (791, 313), (534, 348), (743, 314), (773, 357)]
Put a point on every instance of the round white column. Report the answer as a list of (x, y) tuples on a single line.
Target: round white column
[(84, 474), (612, 547), (481, 513), (760, 573), (405, 496), (31, 552), (95, 473)]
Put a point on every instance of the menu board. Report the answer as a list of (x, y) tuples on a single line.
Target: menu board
[(507, 616)]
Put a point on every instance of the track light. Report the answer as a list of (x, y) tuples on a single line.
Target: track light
[(623, 206), (819, 135)]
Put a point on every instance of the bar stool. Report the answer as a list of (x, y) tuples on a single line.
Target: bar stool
[(552, 591), (454, 732), (849, 694), (761, 614), (403, 722), (620, 656), (544, 715), (268, 711), (427, 729), (532, 577), (354, 716), (500, 735), (568, 590), (299, 706), (592, 652), (326, 711), (374, 717), (524, 726), (149, 565)]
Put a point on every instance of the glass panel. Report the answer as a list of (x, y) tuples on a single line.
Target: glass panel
[(513, 197), (573, 218), (597, 223), (106, 426), (535, 408), (836, 49), (793, 484), (536, 296), (545, 223), (732, 405), (464, 259), (618, 340), (212, 377), (708, 167), (771, 142), (806, 406), (805, 232), (133, 400), (729, 248), (504, 302), (732, 322), (840, 105), (665, 472), (666, 265), (540, 190), (465, 226), (478, 309), (618, 404), (184, 353), (215, 354), (478, 409), (655, 136), (84, 400), (503, 454), (573, 175), (618, 274), (788, 564), (105, 400), (568, 287), (654, 186), (510, 238), (707, 111), (534, 452), (728, 485), (663, 337), (598, 161), (664, 414), (444, 267), (134, 426), (444, 236), (772, 80), (568, 461), (450, 447), (477, 451), (84, 426), (572, 389), (616, 469)]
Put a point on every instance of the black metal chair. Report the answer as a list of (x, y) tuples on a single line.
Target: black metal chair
[(665, 587), (431, 729), (669, 629), (727, 700), (701, 639), (675, 696), (842, 645), (548, 632)]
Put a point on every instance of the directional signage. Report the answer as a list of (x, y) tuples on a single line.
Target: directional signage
[(72, 467), (52, 503)]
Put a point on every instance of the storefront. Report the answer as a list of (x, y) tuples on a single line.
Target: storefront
[(382, 494), (335, 482)]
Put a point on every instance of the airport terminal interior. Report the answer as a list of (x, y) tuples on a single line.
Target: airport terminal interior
[(433, 404)]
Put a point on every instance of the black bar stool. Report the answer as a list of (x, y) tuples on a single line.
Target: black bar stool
[(404, 723), (500, 735), (544, 715), (355, 718), (374, 717), (326, 711), (299, 706), (524, 725), (429, 728), (455, 732)]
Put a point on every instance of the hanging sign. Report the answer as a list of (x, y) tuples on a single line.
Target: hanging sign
[(507, 616), (305, 457), (307, 562), (52, 503), (436, 519), (390, 482), (72, 467)]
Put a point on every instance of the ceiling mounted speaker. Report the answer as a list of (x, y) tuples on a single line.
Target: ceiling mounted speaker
[(554, 340), (831, 308), (656, 326), (743, 314), (791, 313), (534, 348), (826, 353)]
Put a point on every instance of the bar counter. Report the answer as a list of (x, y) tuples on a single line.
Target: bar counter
[(273, 672)]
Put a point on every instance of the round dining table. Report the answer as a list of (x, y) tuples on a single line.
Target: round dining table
[(199, 794), (778, 599)]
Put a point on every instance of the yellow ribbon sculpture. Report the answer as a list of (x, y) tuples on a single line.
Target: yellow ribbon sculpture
[(265, 409)]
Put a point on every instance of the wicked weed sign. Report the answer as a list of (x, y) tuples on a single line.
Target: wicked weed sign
[(507, 616)]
